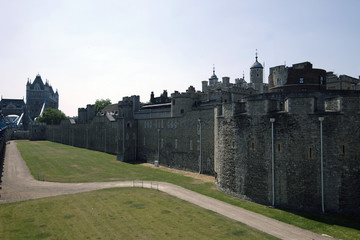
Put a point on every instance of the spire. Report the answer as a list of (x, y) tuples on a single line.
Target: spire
[(214, 75), (213, 79), (256, 64)]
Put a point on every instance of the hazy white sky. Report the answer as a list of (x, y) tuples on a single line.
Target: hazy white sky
[(93, 49)]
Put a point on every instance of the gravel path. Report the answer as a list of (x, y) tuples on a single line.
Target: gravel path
[(19, 185)]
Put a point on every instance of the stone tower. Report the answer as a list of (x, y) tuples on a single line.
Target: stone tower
[(213, 80), (38, 93), (256, 75)]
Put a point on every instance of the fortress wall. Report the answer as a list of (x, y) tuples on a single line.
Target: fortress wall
[(129, 139), (259, 107), (303, 105), (350, 104), (243, 158), (236, 147), (151, 113), (342, 161), (333, 104), (177, 141), (100, 135), (37, 131)]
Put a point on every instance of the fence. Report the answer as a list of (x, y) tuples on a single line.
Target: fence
[(2, 151)]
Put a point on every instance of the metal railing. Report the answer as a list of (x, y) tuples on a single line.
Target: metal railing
[(151, 185)]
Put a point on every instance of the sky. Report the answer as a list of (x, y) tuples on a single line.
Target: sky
[(99, 49)]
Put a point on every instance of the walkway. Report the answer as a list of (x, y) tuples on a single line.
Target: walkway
[(19, 185)]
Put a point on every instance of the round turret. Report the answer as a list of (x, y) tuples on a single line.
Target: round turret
[(256, 75), (256, 65), (213, 80)]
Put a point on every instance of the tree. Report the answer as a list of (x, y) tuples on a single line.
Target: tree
[(101, 103), (51, 116)]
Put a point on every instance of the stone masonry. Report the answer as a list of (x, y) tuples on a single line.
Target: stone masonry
[(243, 153)]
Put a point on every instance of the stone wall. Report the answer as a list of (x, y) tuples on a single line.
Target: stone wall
[(243, 157), (37, 131), (175, 140), (3, 138), (114, 137)]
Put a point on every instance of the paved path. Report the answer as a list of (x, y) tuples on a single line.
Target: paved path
[(19, 185)]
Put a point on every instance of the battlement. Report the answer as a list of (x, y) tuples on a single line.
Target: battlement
[(128, 106), (86, 115), (305, 103), (291, 133)]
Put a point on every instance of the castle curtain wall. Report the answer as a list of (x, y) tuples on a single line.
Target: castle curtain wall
[(243, 168), (175, 142), (178, 139)]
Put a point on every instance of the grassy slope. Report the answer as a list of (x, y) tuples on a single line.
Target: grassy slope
[(62, 163), (117, 214)]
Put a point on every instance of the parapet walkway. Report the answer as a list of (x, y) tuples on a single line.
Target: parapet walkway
[(19, 185)]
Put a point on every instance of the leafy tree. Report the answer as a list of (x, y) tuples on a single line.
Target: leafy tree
[(101, 103), (51, 116)]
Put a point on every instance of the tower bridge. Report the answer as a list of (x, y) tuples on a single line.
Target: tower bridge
[(39, 96)]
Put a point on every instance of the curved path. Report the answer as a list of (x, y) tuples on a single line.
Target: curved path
[(19, 185)]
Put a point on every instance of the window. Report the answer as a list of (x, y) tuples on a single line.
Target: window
[(321, 80), (252, 146), (342, 149), (301, 81), (191, 145), (311, 153), (176, 143), (182, 111), (279, 147)]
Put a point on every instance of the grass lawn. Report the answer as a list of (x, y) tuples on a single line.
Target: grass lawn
[(62, 163), (117, 214)]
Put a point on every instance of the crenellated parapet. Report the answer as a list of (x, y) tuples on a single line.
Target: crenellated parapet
[(250, 141)]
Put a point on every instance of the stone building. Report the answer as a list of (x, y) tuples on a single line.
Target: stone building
[(10, 107), (175, 131), (341, 82), (256, 76), (299, 77), (162, 99), (39, 95), (226, 130), (253, 135), (86, 115)]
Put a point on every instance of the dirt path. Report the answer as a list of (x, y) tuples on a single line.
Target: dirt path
[(19, 185)]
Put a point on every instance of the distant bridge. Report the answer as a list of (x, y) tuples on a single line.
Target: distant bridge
[(15, 112)]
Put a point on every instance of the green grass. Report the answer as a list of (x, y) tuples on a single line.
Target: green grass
[(117, 214), (62, 163)]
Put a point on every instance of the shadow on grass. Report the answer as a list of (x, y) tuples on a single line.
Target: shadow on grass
[(344, 220), (332, 219)]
